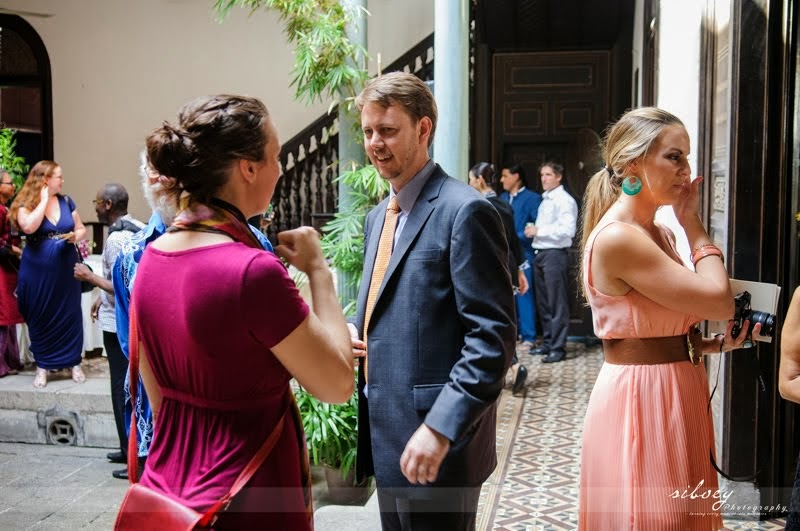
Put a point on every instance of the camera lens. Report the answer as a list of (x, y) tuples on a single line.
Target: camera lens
[(767, 321)]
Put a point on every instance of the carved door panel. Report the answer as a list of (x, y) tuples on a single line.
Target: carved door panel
[(543, 104)]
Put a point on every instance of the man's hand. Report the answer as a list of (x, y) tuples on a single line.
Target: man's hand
[(423, 455), (359, 347), (531, 230), (82, 272), (523, 282), (96, 309)]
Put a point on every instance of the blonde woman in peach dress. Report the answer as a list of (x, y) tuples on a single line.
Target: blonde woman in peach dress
[(647, 434)]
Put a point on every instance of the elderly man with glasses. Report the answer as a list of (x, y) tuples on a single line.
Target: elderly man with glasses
[(10, 253), (111, 206)]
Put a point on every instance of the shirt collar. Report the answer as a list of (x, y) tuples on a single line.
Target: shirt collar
[(514, 194), (552, 192), (407, 196)]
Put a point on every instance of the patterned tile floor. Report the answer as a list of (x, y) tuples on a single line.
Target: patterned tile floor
[(535, 486)]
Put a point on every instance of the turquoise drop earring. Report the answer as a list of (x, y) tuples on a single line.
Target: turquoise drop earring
[(632, 185)]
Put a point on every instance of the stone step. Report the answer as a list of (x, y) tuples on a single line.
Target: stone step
[(62, 413)]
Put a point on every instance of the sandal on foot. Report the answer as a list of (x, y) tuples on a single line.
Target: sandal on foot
[(77, 374), (40, 380)]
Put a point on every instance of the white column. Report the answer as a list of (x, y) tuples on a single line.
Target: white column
[(351, 152), (451, 86)]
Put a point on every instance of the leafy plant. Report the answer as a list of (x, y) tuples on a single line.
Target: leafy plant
[(9, 160), (343, 236), (331, 430), (325, 58)]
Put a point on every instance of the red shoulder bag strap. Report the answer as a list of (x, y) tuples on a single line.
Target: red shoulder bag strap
[(133, 451)]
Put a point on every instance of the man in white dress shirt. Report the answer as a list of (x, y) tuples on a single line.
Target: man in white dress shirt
[(552, 238)]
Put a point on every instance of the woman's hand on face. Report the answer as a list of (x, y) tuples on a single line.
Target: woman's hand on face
[(688, 206), (44, 195), (300, 247)]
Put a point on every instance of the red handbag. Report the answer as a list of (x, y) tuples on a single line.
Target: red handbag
[(144, 508)]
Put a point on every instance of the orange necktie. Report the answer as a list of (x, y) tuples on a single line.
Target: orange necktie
[(382, 257)]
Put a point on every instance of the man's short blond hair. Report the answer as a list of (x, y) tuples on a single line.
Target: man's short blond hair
[(404, 90)]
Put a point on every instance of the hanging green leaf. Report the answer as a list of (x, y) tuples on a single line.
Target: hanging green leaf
[(9, 160), (323, 53)]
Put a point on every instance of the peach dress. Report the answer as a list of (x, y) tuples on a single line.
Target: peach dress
[(647, 433)]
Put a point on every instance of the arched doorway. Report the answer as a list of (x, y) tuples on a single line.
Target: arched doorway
[(25, 88)]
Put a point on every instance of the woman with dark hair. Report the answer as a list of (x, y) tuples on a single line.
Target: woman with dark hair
[(483, 178), (222, 328), (48, 294), (647, 433)]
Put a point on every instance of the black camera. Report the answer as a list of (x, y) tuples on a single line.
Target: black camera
[(744, 313)]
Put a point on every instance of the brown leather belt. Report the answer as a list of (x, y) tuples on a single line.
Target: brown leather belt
[(655, 350)]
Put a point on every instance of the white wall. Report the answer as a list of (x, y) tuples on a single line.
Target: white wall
[(395, 26), (120, 67), (679, 82)]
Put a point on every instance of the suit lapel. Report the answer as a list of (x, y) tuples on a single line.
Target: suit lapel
[(423, 208)]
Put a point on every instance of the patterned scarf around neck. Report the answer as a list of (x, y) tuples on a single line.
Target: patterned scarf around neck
[(221, 217), (218, 217)]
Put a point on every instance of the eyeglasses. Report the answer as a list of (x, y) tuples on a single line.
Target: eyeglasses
[(98, 201), (7, 182)]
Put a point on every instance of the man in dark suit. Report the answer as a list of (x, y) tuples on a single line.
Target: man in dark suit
[(437, 315)]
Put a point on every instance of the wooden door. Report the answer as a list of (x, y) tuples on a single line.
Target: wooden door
[(543, 106)]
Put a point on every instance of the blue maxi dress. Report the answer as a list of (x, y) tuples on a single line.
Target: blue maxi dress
[(48, 294)]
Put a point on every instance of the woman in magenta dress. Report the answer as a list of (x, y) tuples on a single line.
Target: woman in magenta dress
[(647, 432), (48, 294), (222, 327)]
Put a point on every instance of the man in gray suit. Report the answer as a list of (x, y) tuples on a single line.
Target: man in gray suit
[(440, 322)]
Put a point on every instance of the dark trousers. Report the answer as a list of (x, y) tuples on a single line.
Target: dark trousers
[(793, 520), (117, 368), (454, 509), (550, 270)]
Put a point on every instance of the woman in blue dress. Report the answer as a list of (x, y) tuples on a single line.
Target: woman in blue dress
[(49, 296)]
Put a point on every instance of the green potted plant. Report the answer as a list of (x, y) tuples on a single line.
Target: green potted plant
[(332, 437)]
